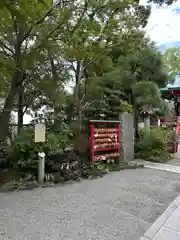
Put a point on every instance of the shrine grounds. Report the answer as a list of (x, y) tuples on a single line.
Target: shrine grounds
[(119, 206)]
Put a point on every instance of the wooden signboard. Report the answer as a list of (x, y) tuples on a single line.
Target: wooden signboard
[(40, 132)]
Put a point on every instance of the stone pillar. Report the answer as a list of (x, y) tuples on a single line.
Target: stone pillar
[(127, 137)]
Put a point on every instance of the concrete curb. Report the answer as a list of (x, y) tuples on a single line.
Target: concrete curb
[(160, 166), (152, 231)]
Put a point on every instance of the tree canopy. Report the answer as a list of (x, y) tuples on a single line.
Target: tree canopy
[(172, 62), (97, 46)]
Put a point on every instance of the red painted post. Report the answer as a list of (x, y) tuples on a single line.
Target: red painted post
[(92, 143), (118, 137)]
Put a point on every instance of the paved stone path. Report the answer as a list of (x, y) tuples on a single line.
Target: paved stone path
[(119, 206), (166, 227)]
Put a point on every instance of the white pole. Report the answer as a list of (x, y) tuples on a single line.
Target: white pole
[(41, 167)]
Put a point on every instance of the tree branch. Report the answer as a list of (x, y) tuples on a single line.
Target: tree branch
[(4, 52), (3, 45), (13, 19), (80, 18), (41, 20)]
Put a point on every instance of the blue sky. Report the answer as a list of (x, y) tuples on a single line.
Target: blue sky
[(164, 25)]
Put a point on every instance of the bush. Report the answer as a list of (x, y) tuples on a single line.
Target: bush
[(23, 152), (153, 146), (3, 156)]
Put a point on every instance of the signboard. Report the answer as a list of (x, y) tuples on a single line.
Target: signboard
[(105, 141), (40, 132)]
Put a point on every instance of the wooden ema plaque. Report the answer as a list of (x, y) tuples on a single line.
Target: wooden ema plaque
[(105, 141)]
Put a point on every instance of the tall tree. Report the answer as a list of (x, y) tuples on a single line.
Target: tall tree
[(26, 31), (78, 31), (100, 26), (135, 62)]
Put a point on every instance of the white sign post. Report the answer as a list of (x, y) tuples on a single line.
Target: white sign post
[(41, 167), (40, 133), (40, 136)]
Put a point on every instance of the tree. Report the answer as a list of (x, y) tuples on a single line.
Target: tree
[(99, 27), (172, 62), (131, 62), (160, 2), (148, 98), (26, 32), (77, 32), (136, 61)]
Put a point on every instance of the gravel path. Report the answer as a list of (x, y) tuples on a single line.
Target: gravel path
[(119, 206)]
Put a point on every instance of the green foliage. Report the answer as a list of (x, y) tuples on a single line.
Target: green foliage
[(49, 36), (41, 43), (172, 62), (163, 110), (168, 2), (23, 152), (130, 72), (147, 93), (147, 96), (110, 102), (153, 147), (138, 60)]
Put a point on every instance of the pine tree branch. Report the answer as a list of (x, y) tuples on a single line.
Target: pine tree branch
[(78, 25), (4, 52), (4, 46)]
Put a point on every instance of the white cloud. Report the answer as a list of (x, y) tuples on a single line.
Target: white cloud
[(164, 23)]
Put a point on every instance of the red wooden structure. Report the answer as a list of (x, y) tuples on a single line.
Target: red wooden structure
[(104, 140)]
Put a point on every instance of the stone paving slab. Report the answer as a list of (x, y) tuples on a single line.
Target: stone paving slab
[(174, 220), (167, 226), (167, 219), (167, 234), (119, 206)]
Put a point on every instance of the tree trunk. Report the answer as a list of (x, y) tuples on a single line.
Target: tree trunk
[(78, 114), (147, 125), (6, 113), (20, 108), (8, 106), (135, 115), (78, 80)]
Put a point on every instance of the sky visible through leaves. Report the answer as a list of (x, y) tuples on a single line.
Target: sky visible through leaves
[(163, 26)]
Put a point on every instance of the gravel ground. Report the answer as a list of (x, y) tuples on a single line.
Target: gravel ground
[(119, 206)]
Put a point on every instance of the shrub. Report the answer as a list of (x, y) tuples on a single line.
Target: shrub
[(153, 146), (23, 152)]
